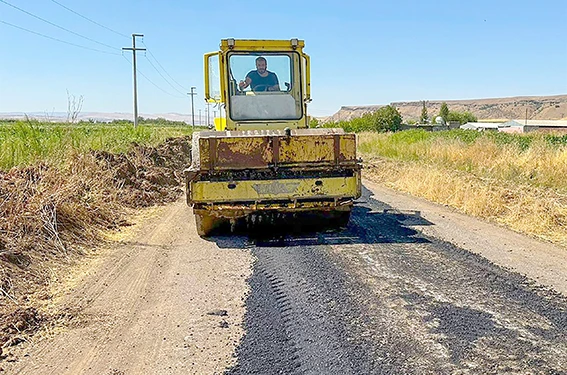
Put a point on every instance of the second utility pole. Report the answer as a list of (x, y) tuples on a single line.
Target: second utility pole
[(134, 49), (192, 93)]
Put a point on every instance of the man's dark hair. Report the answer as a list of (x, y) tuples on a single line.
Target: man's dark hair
[(261, 59)]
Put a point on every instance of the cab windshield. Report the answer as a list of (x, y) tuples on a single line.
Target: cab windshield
[(264, 86)]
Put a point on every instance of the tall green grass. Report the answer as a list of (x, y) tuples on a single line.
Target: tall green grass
[(23, 143)]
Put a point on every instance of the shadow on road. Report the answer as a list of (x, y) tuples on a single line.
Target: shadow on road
[(371, 222)]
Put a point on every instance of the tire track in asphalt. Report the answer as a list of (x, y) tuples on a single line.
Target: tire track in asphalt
[(380, 298)]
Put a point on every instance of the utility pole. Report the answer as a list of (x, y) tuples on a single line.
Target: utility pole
[(526, 116), (200, 118), (192, 93), (134, 49)]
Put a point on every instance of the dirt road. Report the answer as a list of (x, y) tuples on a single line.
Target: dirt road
[(408, 288), (163, 301)]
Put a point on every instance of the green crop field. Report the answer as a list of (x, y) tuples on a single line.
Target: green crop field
[(27, 142)]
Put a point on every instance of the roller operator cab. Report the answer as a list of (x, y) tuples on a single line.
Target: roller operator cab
[(262, 160)]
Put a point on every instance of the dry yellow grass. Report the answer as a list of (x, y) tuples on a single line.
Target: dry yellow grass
[(518, 182), (538, 165), (538, 212)]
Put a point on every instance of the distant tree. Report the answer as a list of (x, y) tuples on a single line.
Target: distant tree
[(444, 111), (468, 117), (74, 107), (461, 117), (313, 122), (387, 118), (424, 115)]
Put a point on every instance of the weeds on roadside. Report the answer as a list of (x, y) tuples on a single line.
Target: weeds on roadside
[(538, 160), (516, 180)]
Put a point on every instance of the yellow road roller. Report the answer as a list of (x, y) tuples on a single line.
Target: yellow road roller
[(262, 160)]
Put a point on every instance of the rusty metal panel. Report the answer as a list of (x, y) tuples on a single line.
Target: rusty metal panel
[(235, 153), (263, 149), (318, 148), (347, 148), (244, 152), (203, 152), (315, 148)]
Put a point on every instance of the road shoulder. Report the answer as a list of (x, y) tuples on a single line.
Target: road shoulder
[(544, 262), (162, 301)]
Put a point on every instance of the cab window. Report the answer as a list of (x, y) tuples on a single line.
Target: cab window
[(264, 86)]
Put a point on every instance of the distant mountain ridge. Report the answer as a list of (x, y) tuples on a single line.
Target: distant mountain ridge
[(536, 107)]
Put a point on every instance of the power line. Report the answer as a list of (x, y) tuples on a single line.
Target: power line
[(88, 19), (59, 27), (165, 79), (58, 40), (151, 54), (150, 81)]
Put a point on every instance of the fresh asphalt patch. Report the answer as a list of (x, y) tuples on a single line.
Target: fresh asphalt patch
[(381, 298)]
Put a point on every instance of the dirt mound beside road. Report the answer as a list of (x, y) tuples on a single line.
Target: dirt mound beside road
[(148, 175), (50, 216)]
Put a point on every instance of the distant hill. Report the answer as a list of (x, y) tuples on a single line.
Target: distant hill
[(538, 108)]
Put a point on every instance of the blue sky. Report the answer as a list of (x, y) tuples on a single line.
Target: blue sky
[(362, 52)]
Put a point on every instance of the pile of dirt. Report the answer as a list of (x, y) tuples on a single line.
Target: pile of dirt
[(149, 175), (50, 215)]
